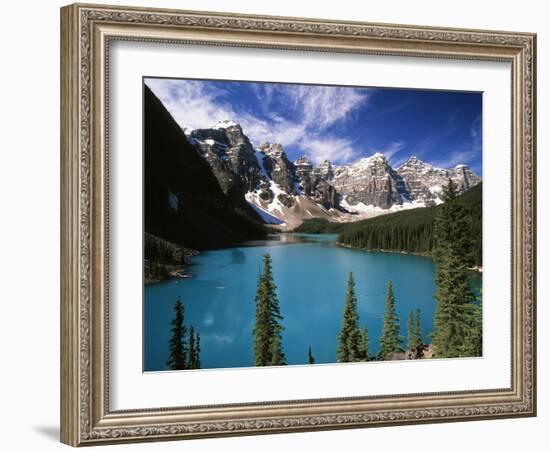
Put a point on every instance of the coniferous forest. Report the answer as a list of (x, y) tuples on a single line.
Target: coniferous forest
[(411, 231)]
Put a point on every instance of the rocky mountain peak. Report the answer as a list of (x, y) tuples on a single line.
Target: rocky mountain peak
[(425, 182), (414, 162), (302, 161), (278, 167), (303, 166), (233, 131), (325, 170), (369, 181), (377, 159), (223, 124), (272, 150), (230, 155), (464, 177)]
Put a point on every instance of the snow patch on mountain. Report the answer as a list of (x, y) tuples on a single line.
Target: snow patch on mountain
[(268, 218), (366, 211), (260, 158)]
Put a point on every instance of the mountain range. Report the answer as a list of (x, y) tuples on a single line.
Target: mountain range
[(283, 193)]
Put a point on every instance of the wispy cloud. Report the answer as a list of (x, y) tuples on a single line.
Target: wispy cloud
[(391, 109), (452, 118), (433, 140), (476, 133), (333, 149), (391, 151), (457, 157), (306, 113), (467, 152), (192, 103), (323, 106)]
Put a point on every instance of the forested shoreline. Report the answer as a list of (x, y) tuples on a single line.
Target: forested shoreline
[(163, 259), (410, 231)]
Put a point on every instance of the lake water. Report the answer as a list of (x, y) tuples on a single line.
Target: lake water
[(311, 276)]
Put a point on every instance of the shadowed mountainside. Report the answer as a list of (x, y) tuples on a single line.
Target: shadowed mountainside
[(184, 203)]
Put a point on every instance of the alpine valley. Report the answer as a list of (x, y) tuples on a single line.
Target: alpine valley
[(257, 255)]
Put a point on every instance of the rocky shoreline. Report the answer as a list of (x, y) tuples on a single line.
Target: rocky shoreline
[(478, 269), (401, 252), (164, 259)]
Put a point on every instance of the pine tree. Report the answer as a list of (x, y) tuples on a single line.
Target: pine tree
[(418, 328), (453, 242), (198, 351), (365, 344), (349, 348), (191, 364), (267, 329), (262, 355), (390, 341), (277, 355), (473, 344), (414, 327), (274, 314), (310, 358), (178, 350), (411, 328)]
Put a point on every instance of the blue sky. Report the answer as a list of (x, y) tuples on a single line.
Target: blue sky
[(338, 123)]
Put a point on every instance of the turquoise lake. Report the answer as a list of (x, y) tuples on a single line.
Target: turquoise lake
[(311, 274)]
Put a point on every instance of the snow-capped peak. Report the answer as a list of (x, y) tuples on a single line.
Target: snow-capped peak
[(373, 159), (274, 150), (414, 161), (461, 166), (302, 161), (226, 124)]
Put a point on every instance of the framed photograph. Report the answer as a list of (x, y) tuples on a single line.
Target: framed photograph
[(277, 224)]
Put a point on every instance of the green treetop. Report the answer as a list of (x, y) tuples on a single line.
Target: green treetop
[(198, 351), (418, 328), (178, 350), (194, 349), (411, 336), (349, 348), (390, 341), (365, 344), (414, 337)]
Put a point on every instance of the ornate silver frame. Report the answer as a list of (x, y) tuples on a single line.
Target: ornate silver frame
[(86, 31)]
